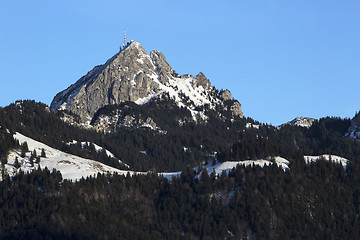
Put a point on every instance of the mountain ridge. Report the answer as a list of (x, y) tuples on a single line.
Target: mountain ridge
[(301, 122), (234, 178), (133, 75)]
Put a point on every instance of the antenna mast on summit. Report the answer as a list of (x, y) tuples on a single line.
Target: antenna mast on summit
[(124, 38)]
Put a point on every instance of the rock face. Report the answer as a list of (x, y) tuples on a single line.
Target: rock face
[(226, 95), (124, 77), (133, 75), (236, 109), (201, 80), (117, 120)]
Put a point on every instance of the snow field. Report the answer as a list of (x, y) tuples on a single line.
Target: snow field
[(74, 168)]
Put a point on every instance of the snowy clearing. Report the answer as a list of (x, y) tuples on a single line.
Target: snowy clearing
[(71, 167), (74, 168), (328, 157)]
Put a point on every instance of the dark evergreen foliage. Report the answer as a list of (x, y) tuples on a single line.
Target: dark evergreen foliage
[(320, 202), (316, 201), (163, 151), (43, 154)]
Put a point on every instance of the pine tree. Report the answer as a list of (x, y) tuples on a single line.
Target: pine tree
[(4, 160), (24, 149), (32, 160), (43, 154), (17, 164), (34, 154)]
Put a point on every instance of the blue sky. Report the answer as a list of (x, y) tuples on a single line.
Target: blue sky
[(281, 59)]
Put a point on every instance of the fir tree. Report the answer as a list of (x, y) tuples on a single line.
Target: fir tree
[(43, 154), (24, 149), (17, 164), (31, 160)]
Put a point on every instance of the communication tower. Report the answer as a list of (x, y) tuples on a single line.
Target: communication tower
[(124, 38)]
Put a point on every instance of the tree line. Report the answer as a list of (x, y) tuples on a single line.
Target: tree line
[(319, 202)]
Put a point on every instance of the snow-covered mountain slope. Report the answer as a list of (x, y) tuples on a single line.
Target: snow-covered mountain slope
[(74, 168), (133, 75), (220, 167), (301, 122), (98, 149), (71, 167), (227, 166), (327, 157)]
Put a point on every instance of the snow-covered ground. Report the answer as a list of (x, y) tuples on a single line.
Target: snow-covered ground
[(74, 168), (98, 149), (219, 167), (71, 166), (176, 87), (170, 175), (228, 166), (250, 125), (333, 158)]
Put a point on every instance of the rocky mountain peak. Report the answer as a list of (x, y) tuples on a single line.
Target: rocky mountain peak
[(201, 80), (133, 75), (226, 95), (124, 77)]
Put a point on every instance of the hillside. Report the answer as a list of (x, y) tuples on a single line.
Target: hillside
[(132, 150)]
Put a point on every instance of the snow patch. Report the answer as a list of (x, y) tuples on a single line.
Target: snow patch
[(229, 165), (74, 168), (184, 95), (328, 157), (98, 149), (71, 167), (251, 125)]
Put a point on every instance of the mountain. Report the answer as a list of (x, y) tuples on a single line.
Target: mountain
[(128, 122), (301, 122), (135, 76)]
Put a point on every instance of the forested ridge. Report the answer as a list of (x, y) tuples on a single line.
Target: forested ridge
[(164, 152), (310, 201), (317, 202)]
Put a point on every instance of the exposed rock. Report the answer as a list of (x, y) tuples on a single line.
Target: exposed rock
[(125, 77), (226, 95), (185, 76), (163, 69), (201, 80), (116, 120), (133, 75), (236, 109)]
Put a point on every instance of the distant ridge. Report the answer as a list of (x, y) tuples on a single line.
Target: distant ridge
[(301, 122)]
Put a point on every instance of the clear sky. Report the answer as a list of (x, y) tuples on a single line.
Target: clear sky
[(280, 58)]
